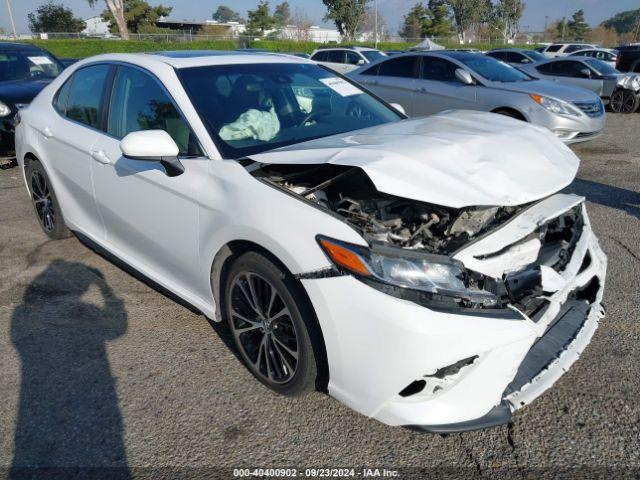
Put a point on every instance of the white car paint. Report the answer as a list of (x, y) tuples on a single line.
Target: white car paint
[(172, 228)]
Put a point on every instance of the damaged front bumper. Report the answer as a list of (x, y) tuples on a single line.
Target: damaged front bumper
[(400, 362)]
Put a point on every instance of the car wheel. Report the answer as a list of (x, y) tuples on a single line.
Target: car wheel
[(624, 101), (45, 202), (264, 311)]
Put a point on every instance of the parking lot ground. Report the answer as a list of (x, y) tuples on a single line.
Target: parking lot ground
[(97, 369)]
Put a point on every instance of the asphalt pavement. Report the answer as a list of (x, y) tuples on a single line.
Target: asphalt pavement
[(101, 375)]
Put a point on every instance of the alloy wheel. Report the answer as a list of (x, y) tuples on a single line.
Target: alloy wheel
[(624, 101), (41, 195), (263, 327)]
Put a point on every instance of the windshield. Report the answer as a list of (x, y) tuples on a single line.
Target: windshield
[(27, 66), (252, 108), (601, 67), (535, 56), (492, 69), (372, 55)]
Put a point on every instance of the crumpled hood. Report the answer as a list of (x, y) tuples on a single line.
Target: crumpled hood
[(456, 159), (549, 89), (630, 81)]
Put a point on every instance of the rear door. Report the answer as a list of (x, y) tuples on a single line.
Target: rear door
[(395, 80), (68, 137), (439, 89)]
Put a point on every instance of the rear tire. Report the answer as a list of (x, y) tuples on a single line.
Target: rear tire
[(270, 324), (624, 101), (45, 203)]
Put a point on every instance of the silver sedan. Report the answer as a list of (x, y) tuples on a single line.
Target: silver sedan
[(425, 83)]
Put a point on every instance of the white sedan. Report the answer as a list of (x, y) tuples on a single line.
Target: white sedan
[(424, 272)]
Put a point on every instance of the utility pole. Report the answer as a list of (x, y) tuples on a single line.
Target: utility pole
[(376, 24), (13, 23)]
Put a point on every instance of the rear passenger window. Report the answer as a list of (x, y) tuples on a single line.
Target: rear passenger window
[(85, 94), (336, 56), (139, 103), (546, 68), (320, 57), (60, 100), (554, 48), (399, 67)]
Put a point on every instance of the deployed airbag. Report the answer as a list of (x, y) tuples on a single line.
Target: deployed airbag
[(254, 124)]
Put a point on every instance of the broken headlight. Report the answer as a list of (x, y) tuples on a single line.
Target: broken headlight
[(433, 274)]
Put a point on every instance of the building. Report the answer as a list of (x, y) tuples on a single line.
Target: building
[(231, 29), (96, 27)]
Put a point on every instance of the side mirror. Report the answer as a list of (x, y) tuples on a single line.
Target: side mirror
[(464, 76), (585, 72), (398, 107), (153, 146), (360, 62)]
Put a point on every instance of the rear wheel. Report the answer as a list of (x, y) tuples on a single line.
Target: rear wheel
[(264, 311), (624, 101), (45, 202)]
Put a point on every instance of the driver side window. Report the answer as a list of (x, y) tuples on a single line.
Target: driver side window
[(139, 103)]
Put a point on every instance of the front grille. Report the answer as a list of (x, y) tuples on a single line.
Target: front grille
[(591, 109)]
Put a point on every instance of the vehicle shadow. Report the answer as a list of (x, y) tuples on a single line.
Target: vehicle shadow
[(69, 423), (614, 197)]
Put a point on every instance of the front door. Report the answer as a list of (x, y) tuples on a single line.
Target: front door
[(439, 89)]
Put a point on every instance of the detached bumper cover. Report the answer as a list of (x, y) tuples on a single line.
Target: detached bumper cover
[(377, 344)]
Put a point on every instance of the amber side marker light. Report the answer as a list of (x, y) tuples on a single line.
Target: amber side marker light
[(344, 257), (536, 98)]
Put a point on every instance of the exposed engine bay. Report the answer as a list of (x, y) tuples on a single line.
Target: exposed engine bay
[(383, 218)]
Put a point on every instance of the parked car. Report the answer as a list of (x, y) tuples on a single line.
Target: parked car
[(628, 58), (24, 71), (301, 54), (564, 49), (424, 272), (346, 59), (516, 56), (66, 62), (390, 53), (618, 90), (603, 54), (430, 82)]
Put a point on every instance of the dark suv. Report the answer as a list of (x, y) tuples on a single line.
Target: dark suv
[(629, 58), (24, 71)]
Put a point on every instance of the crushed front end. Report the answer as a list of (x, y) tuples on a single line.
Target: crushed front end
[(451, 319)]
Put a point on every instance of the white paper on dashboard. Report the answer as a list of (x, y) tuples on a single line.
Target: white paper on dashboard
[(41, 60), (341, 87)]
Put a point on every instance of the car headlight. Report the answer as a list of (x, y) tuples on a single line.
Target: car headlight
[(5, 111), (556, 106), (433, 274)]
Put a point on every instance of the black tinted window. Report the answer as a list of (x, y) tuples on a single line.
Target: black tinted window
[(85, 94), (546, 68), (399, 67), (353, 58), (573, 48), (336, 56), (515, 57), (371, 71), (569, 68), (27, 66), (554, 48), (320, 57), (498, 55), (438, 69), (60, 100), (139, 103)]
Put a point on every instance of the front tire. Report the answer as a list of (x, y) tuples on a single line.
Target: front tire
[(624, 101), (265, 313), (45, 202)]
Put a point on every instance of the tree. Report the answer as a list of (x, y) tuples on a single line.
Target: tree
[(282, 14), (260, 19), (348, 15), (504, 17), (440, 19), (624, 22), (578, 29), (224, 15), (139, 16), (415, 23), (116, 7), (54, 18), (467, 14)]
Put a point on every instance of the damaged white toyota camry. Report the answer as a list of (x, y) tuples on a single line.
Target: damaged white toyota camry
[(425, 272)]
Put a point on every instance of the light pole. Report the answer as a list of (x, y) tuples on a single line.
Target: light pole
[(13, 23), (376, 25)]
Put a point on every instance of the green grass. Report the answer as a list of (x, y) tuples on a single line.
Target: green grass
[(81, 48)]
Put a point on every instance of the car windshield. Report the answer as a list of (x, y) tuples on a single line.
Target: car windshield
[(535, 56), (252, 108), (27, 65), (372, 55), (601, 67), (492, 69)]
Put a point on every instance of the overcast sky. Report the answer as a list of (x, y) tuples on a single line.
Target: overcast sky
[(392, 10)]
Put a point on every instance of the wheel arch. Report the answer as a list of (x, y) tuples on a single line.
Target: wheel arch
[(514, 111), (219, 269)]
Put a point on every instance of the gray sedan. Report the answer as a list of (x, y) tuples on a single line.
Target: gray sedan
[(517, 56), (620, 90), (429, 82)]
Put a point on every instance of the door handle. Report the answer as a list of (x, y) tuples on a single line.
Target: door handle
[(46, 131), (100, 157)]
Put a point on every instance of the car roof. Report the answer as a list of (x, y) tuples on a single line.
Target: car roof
[(19, 47), (196, 58), (516, 50)]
